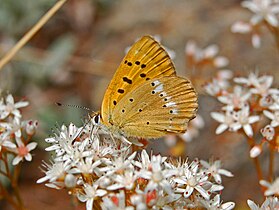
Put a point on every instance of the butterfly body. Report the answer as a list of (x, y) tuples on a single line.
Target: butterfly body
[(145, 97)]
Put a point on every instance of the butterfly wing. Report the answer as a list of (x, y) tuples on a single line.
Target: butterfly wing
[(145, 60), (157, 107)]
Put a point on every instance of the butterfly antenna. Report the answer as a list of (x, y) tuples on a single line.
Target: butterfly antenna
[(75, 106)]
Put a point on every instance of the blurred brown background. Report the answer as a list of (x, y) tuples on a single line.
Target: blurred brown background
[(72, 59)]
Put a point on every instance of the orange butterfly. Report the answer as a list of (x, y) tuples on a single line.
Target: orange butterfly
[(145, 98)]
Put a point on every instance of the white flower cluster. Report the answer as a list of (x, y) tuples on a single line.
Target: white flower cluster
[(245, 103), (265, 12), (15, 134), (106, 174)]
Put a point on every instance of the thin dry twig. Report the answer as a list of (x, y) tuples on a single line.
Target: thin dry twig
[(10, 54)]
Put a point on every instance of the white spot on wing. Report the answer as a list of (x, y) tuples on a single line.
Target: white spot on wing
[(156, 82), (159, 88), (170, 104), (175, 111)]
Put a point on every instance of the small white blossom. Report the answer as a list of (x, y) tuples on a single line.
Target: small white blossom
[(53, 172), (157, 175), (273, 116), (126, 180), (255, 151), (11, 108), (244, 120), (191, 180), (272, 188), (236, 99), (245, 28), (226, 119), (23, 151), (31, 127), (198, 55), (5, 141), (269, 203), (214, 168), (216, 204), (263, 10), (91, 192), (268, 132)]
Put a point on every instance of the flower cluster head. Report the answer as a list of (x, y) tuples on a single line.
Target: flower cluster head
[(265, 12), (15, 134), (106, 173), (246, 101)]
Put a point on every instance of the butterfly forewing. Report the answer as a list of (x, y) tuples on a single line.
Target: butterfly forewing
[(145, 61), (157, 107)]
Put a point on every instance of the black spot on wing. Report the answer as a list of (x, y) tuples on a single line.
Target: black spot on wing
[(126, 79)]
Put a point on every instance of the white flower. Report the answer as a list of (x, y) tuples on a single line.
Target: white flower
[(241, 27), (264, 10), (275, 100), (244, 120), (125, 180), (157, 175), (268, 132), (85, 166), (213, 88), (272, 188), (255, 151), (191, 180), (214, 168), (54, 172), (236, 99), (216, 204), (31, 127), (253, 79), (198, 55), (273, 116), (263, 87), (66, 145), (226, 119), (11, 107), (270, 203), (23, 151), (219, 84), (244, 28), (91, 192), (5, 141), (13, 127), (117, 164)]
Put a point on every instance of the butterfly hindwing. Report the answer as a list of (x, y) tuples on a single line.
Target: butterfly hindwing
[(145, 61), (158, 107)]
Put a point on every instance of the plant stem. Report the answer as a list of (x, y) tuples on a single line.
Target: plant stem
[(14, 182), (256, 161), (271, 163), (31, 33), (7, 196)]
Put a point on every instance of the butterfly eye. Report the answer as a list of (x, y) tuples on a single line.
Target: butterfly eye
[(96, 119)]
